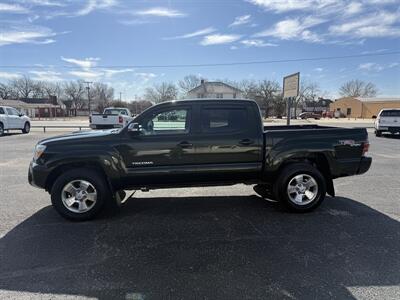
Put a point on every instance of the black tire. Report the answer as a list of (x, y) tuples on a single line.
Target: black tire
[(100, 184), (27, 128), (287, 176), (1, 129), (378, 133), (264, 191)]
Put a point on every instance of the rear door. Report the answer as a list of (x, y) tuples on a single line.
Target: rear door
[(229, 142)]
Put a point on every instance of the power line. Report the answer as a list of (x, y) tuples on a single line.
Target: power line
[(208, 64)]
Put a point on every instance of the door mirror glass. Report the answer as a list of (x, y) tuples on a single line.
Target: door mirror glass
[(134, 127)]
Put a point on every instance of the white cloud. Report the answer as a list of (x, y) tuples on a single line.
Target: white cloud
[(353, 8), (393, 65), (86, 75), (160, 12), (111, 72), (12, 8), (93, 5), (371, 67), (280, 6), (46, 75), (257, 43), (86, 63), (217, 39), (21, 35), (9, 75), (381, 24), (318, 69), (294, 29), (241, 20), (145, 77), (200, 32), (43, 2)]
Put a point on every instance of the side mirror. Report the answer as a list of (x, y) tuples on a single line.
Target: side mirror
[(134, 127), (21, 115)]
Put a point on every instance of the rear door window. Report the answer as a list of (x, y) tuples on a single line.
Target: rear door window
[(223, 119)]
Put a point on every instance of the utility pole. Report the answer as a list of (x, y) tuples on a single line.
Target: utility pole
[(88, 93), (120, 96)]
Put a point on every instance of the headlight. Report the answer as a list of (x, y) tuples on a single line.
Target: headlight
[(39, 149)]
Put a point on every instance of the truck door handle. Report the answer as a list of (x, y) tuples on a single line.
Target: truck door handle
[(185, 144), (246, 142)]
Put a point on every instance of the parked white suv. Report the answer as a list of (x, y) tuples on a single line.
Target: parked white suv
[(388, 120), (11, 119)]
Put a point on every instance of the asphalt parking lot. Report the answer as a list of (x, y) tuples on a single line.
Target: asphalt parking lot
[(203, 243)]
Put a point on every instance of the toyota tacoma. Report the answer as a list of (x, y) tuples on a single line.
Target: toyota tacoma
[(197, 143)]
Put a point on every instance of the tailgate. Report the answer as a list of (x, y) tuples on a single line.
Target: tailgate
[(105, 119)]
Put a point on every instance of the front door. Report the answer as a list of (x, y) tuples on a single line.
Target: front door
[(163, 151), (13, 118)]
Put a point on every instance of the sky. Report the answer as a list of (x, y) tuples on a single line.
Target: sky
[(132, 44)]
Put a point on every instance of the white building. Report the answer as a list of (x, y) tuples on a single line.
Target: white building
[(213, 89)]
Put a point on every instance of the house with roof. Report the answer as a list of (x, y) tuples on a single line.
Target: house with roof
[(214, 89), (359, 107)]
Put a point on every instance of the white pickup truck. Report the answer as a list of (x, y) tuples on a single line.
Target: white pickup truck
[(12, 119), (112, 117), (388, 120)]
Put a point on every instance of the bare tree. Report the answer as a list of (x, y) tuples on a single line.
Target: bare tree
[(308, 92), (161, 92), (52, 89), (101, 95), (249, 89), (74, 91), (24, 86), (267, 90), (188, 82), (358, 88), (6, 91)]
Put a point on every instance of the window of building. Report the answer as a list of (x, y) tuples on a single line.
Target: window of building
[(234, 95), (216, 119), (220, 95), (348, 111), (200, 95)]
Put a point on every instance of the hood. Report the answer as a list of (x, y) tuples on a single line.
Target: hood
[(80, 135)]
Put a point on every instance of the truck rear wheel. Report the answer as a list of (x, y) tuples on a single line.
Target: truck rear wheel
[(300, 187), (80, 194)]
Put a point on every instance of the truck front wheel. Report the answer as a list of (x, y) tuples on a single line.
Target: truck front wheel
[(80, 194), (300, 187)]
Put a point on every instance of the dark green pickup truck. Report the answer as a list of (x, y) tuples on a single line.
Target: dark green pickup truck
[(197, 143)]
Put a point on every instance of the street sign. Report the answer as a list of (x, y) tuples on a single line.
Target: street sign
[(290, 91), (291, 85)]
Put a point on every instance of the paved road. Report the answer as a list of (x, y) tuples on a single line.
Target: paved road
[(203, 243)]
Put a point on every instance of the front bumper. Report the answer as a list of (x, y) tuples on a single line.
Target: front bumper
[(37, 175)]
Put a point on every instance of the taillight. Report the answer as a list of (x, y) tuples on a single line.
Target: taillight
[(365, 148), (121, 119)]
